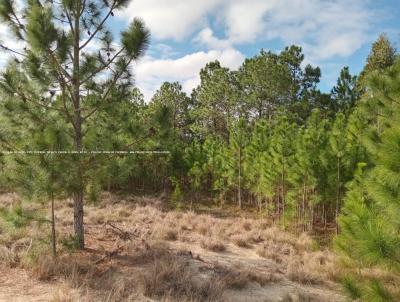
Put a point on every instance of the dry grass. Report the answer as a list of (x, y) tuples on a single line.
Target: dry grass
[(171, 278), (73, 271), (310, 268), (164, 233), (239, 277), (149, 263), (212, 244), (241, 241), (8, 256), (300, 297), (61, 296)]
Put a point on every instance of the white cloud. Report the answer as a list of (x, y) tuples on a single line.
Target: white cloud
[(325, 29), (312, 22), (174, 19), (206, 37), (245, 19), (151, 72)]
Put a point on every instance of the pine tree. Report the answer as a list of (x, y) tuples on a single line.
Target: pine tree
[(345, 93), (281, 154), (236, 157), (215, 101), (58, 73), (306, 170), (171, 96), (337, 142), (382, 56), (369, 223), (255, 164)]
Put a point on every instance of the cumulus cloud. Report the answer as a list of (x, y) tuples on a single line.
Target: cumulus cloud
[(312, 22), (206, 37), (325, 29), (151, 72), (172, 19)]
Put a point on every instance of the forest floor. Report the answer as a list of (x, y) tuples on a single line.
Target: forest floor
[(138, 251)]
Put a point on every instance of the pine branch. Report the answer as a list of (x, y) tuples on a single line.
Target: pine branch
[(94, 73), (108, 91), (98, 27), (13, 51)]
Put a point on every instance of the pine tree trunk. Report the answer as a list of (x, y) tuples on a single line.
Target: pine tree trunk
[(303, 212), (108, 183), (312, 218), (240, 179), (78, 220), (78, 196), (337, 195), (283, 194), (53, 228)]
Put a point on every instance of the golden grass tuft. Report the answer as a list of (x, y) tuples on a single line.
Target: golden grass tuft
[(171, 278), (307, 269), (241, 241), (164, 233), (213, 244), (8, 256), (239, 277), (70, 269)]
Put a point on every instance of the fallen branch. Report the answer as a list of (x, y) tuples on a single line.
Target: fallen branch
[(124, 235)]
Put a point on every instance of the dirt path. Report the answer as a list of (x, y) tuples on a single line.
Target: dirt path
[(17, 286), (273, 292)]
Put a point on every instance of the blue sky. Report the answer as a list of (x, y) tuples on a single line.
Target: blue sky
[(186, 34)]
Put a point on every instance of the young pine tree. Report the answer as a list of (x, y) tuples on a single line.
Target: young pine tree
[(281, 155), (236, 157), (255, 165), (70, 67), (370, 219)]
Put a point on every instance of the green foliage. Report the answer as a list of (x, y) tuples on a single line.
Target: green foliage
[(60, 94), (70, 243), (17, 217), (370, 216), (136, 39), (177, 192), (351, 288), (345, 92), (382, 55)]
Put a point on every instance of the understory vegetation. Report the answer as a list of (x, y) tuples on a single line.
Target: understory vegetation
[(262, 140), (137, 249)]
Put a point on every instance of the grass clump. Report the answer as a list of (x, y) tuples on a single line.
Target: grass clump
[(171, 278), (213, 245), (241, 241), (239, 277)]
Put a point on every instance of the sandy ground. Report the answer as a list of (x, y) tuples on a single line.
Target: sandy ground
[(17, 284)]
